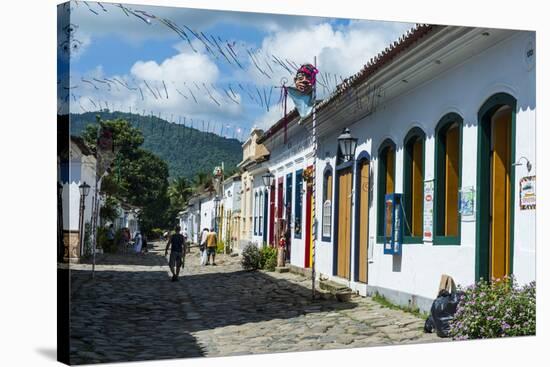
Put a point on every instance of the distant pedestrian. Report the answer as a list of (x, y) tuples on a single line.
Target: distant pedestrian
[(177, 245), (111, 236), (202, 245), (211, 244), (144, 241), (138, 242), (124, 239), (187, 248)]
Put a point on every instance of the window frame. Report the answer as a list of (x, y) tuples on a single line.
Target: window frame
[(441, 128), (413, 134), (327, 175), (288, 201), (255, 213), (381, 182), (260, 212), (298, 205)]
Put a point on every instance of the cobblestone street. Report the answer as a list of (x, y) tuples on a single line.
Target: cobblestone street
[(132, 311)]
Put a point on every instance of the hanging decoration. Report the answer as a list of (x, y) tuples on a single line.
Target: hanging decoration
[(307, 176), (302, 92)]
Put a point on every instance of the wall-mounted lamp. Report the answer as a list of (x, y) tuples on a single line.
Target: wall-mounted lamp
[(528, 164)]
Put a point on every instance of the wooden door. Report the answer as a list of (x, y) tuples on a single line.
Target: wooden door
[(500, 193), (344, 223), (363, 221), (272, 215), (309, 233)]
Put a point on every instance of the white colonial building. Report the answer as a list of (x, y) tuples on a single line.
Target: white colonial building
[(289, 200), (445, 119), (254, 154), (230, 211), (76, 167)]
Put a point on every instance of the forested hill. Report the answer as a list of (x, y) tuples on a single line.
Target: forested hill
[(186, 150)]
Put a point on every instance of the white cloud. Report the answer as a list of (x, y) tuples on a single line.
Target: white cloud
[(183, 67), (114, 21), (181, 74), (341, 51)]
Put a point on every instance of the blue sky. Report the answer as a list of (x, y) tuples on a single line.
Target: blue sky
[(124, 57)]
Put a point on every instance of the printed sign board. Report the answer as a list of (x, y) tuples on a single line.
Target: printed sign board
[(467, 202), (527, 193), (393, 225), (428, 210)]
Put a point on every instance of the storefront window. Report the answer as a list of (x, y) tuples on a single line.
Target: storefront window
[(413, 184), (386, 181), (327, 205), (447, 179)]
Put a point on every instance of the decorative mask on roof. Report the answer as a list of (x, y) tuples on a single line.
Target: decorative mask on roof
[(217, 171), (305, 78)]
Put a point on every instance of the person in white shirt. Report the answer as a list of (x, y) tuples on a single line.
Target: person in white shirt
[(202, 245), (137, 242)]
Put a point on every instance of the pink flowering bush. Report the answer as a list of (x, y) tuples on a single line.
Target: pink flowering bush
[(495, 309)]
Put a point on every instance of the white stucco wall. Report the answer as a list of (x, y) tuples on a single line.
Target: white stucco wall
[(462, 90), (81, 169), (288, 159), (257, 207), (207, 213)]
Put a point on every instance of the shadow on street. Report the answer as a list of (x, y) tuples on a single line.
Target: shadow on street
[(128, 314)]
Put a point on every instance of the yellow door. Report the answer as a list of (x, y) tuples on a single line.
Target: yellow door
[(363, 220), (500, 193), (344, 223)]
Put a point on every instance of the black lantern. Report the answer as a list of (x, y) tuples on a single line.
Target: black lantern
[(347, 144), (84, 189), (268, 179)]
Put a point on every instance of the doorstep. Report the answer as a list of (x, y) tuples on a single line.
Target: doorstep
[(282, 269)]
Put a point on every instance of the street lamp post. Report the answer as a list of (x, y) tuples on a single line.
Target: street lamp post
[(84, 189), (268, 179), (347, 144)]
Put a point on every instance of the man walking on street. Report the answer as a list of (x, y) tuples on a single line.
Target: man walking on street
[(211, 244), (177, 244)]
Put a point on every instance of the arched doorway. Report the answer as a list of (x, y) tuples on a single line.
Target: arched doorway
[(362, 197), (308, 242), (343, 221), (342, 217), (495, 217)]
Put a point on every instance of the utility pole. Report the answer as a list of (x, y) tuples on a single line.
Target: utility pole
[(313, 222)]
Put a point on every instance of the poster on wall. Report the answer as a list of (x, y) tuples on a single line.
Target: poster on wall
[(388, 220), (466, 203), (428, 210), (393, 233), (527, 194)]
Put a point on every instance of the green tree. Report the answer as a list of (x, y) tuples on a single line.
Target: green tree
[(179, 191), (202, 181), (108, 212), (125, 137), (138, 177)]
